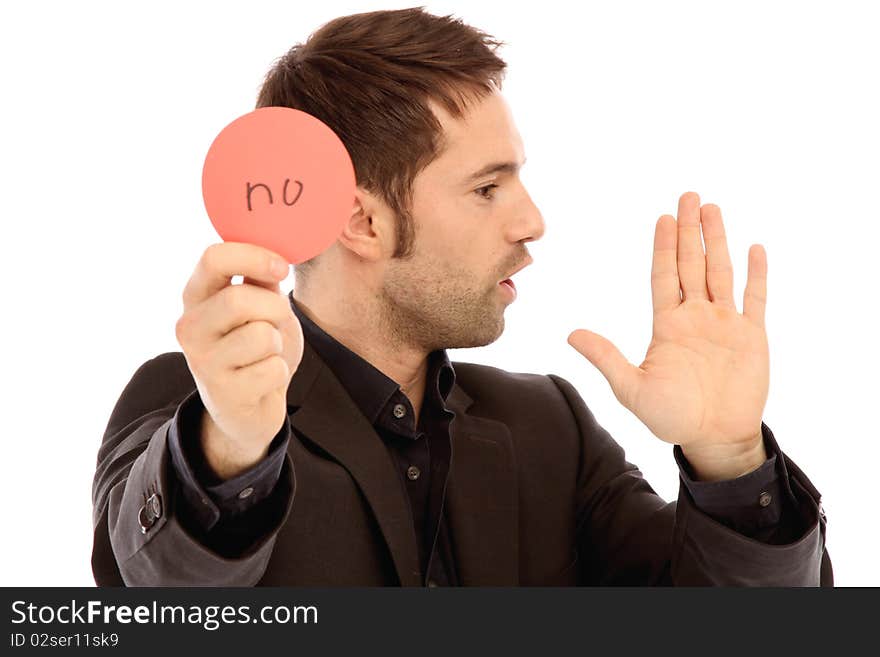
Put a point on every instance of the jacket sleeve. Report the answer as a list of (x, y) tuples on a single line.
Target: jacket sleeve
[(231, 515), (760, 504), (143, 533), (627, 534)]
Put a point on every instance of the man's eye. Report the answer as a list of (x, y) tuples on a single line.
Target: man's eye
[(485, 191)]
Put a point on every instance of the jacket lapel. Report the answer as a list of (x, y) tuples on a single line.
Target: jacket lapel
[(481, 493), (328, 417), (482, 498)]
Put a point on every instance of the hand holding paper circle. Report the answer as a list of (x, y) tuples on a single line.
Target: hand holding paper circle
[(281, 179), (276, 182), (704, 381)]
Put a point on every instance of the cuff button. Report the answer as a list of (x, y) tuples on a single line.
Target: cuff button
[(150, 512)]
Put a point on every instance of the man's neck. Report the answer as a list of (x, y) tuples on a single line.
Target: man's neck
[(362, 329)]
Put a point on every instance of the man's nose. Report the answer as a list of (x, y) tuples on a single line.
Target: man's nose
[(529, 225)]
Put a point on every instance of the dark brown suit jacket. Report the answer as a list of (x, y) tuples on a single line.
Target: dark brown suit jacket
[(539, 494)]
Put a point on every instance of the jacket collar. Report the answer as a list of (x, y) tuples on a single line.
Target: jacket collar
[(369, 388)]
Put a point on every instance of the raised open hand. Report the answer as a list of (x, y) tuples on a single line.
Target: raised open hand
[(704, 381)]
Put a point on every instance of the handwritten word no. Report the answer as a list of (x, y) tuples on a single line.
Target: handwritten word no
[(251, 187)]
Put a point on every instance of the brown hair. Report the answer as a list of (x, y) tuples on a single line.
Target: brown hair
[(369, 76)]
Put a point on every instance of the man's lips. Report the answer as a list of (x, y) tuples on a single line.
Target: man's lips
[(520, 268), (508, 287)]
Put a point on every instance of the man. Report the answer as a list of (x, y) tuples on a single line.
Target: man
[(324, 438)]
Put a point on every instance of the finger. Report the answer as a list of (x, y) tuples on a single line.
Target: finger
[(248, 344), (719, 270), (691, 257), (665, 290), (622, 376), (258, 379), (222, 261), (274, 287), (755, 296), (237, 305)]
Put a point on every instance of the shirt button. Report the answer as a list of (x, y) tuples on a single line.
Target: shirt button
[(399, 411), (245, 493), (413, 472), (765, 499)]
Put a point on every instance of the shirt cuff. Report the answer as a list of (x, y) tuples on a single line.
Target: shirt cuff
[(747, 504), (209, 498)]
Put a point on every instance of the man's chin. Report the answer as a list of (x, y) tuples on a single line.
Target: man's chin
[(483, 338)]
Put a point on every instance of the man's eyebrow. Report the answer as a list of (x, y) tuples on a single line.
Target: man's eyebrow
[(494, 167)]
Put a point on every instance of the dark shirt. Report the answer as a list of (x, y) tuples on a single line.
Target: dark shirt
[(232, 515)]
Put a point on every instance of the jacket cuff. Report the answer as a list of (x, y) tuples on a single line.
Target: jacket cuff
[(709, 552), (153, 548), (712, 554)]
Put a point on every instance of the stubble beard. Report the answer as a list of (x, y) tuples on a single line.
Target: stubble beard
[(438, 312)]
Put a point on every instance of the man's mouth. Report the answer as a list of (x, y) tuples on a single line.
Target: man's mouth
[(508, 288), (509, 281), (520, 268)]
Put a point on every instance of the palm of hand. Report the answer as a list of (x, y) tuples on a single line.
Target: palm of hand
[(705, 376)]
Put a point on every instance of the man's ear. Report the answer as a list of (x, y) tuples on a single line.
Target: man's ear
[(369, 231)]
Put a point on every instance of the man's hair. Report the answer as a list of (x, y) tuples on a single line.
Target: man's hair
[(369, 76)]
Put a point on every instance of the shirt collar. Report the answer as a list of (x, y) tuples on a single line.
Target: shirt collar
[(368, 387)]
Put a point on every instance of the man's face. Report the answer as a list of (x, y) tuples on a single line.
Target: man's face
[(470, 233)]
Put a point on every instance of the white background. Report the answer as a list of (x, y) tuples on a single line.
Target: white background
[(768, 109)]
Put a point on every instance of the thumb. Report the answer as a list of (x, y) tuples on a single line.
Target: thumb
[(622, 376)]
